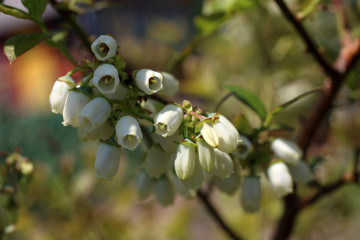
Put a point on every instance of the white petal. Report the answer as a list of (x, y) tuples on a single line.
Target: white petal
[(168, 120), (149, 81), (95, 113), (74, 103), (107, 161), (109, 42), (128, 132), (280, 179), (104, 86), (185, 160)]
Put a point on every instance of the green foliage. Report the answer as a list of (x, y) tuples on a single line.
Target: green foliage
[(35, 7), (8, 10), (217, 12), (19, 44), (250, 99), (279, 109)]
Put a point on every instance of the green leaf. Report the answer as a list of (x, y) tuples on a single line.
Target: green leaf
[(206, 25), (225, 6), (18, 45), (8, 10), (35, 7), (250, 99), (277, 110), (310, 7), (217, 12)]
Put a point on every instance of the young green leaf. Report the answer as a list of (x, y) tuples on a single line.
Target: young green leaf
[(280, 108), (18, 45), (250, 99), (8, 10), (35, 7)]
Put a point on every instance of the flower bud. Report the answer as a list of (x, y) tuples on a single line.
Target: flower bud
[(74, 103), (95, 113), (107, 161), (157, 161), (106, 79), (280, 178), (196, 178), (286, 150), (149, 81), (170, 85), (144, 185), (206, 155), (300, 172), (209, 134), (103, 132), (224, 165), (230, 184), (104, 47), (227, 134), (168, 120), (251, 194), (128, 132), (164, 191), (185, 159), (59, 93)]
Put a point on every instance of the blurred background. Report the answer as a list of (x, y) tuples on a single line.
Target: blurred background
[(253, 47)]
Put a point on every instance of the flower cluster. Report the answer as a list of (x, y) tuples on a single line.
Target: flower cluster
[(186, 146)]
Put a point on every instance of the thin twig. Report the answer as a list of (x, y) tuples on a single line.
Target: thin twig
[(223, 100), (310, 44), (69, 16), (322, 193), (205, 200)]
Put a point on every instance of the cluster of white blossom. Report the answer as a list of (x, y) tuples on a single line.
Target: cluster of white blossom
[(188, 146)]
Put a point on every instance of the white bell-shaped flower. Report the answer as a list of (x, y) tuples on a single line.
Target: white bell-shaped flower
[(95, 113), (280, 178), (157, 161), (224, 165), (196, 178), (128, 132), (144, 185), (103, 132), (104, 47), (149, 81), (170, 85), (59, 93), (75, 101), (300, 172), (164, 190), (209, 134), (107, 161), (286, 150), (184, 163), (251, 194), (227, 134), (168, 120), (206, 155), (106, 79)]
